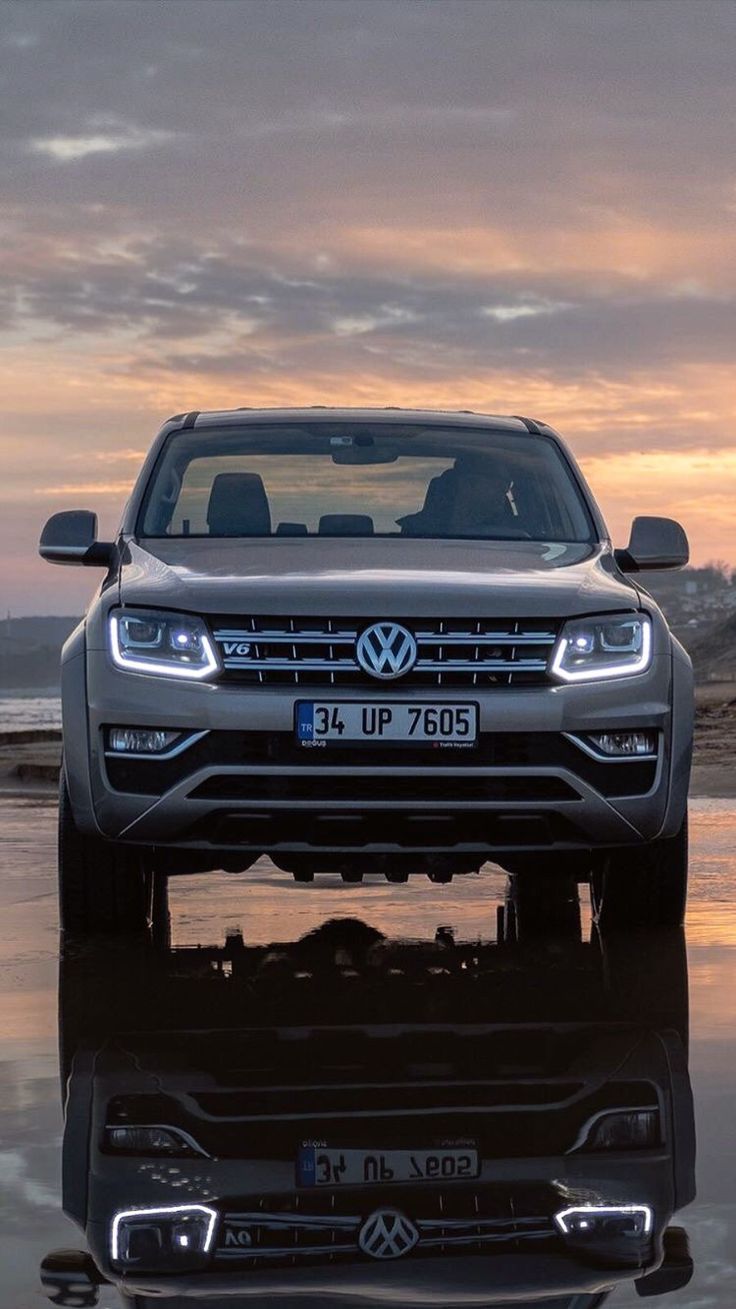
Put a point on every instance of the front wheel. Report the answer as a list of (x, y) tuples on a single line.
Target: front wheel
[(642, 886), (104, 886)]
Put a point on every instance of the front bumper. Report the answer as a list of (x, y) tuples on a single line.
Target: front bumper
[(526, 787)]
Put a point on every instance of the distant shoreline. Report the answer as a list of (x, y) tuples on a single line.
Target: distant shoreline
[(30, 692)]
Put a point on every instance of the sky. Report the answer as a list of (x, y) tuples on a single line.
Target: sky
[(512, 206)]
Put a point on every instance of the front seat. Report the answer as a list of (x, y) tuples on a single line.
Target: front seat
[(457, 502), (346, 525), (238, 506), (435, 512)]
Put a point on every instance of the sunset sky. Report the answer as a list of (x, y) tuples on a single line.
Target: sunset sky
[(514, 206)]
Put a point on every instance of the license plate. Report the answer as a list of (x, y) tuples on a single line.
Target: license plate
[(358, 720), (317, 1166)]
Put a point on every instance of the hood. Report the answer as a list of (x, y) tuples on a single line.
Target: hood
[(374, 578)]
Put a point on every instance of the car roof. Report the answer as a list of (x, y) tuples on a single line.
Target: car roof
[(390, 414)]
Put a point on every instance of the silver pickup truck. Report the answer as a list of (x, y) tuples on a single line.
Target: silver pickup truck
[(383, 641)]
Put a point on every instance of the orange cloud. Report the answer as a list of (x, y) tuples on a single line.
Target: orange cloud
[(639, 251)]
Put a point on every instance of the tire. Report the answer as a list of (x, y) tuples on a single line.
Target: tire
[(642, 886), (539, 906), (104, 886), (645, 978)]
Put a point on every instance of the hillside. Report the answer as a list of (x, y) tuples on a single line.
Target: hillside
[(714, 652), (29, 651)]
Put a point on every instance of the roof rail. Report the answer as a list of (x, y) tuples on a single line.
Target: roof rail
[(191, 418), (529, 424)]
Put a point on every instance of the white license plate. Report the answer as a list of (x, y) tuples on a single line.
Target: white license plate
[(357, 720), (317, 1166)]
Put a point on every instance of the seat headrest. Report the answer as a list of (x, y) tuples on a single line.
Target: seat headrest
[(238, 506), (346, 525), (292, 529)]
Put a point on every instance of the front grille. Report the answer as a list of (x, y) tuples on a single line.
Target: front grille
[(321, 651), (322, 1228)]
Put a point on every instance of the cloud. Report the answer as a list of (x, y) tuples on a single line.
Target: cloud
[(69, 149), (85, 488), (238, 306), (525, 307), (510, 207)]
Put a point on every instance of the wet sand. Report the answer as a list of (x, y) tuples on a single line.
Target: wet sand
[(265, 905)]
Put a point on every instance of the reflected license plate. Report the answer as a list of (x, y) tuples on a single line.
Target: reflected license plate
[(317, 1166), (356, 720)]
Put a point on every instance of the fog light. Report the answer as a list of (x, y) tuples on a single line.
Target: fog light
[(621, 1129), (625, 745), (140, 740)]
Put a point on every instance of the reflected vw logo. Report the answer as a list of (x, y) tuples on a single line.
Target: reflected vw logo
[(387, 1234), (386, 650)]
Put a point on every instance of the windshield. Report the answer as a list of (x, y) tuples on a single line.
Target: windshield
[(358, 479)]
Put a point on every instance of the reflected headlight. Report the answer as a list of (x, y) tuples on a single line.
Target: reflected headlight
[(165, 1238), (591, 649), (591, 1221), (153, 641), (609, 1235)]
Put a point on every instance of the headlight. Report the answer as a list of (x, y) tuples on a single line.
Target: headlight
[(591, 649), (152, 641)]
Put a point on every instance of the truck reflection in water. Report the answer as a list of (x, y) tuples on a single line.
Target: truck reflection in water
[(353, 1118)]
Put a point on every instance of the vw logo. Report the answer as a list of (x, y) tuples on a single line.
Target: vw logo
[(386, 650), (387, 1234)]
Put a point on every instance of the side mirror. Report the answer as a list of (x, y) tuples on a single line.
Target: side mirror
[(71, 538), (654, 543), (71, 1277)]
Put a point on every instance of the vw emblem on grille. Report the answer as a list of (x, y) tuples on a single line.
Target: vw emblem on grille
[(386, 650), (387, 1234)]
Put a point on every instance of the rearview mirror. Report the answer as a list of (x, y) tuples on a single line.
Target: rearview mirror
[(654, 543), (71, 1277), (71, 538)]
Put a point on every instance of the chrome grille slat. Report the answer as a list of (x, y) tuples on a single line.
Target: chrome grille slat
[(422, 665), (451, 652), (452, 665), (424, 638)]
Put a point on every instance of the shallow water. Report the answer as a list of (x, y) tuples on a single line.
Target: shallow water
[(266, 906), (22, 711)]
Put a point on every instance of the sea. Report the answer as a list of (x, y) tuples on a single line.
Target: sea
[(25, 709)]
